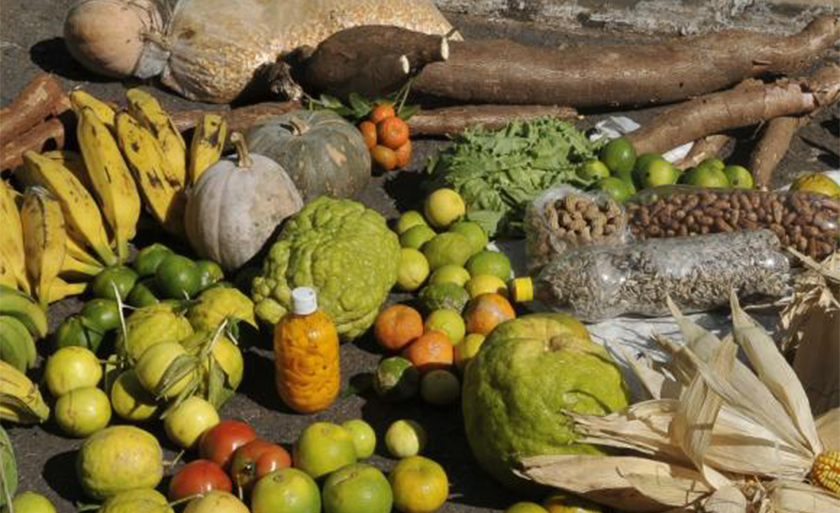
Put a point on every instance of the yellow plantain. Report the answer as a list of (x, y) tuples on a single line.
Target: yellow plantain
[(207, 145), (74, 268), (20, 400), (61, 289), (77, 250), (111, 179), (43, 240), (81, 213), (11, 237), (72, 161), (147, 110), (6, 277), (81, 99), (163, 193)]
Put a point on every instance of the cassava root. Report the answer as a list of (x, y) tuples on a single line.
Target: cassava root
[(743, 106), (238, 120), (41, 98), (47, 135), (773, 146), (709, 147), (504, 72)]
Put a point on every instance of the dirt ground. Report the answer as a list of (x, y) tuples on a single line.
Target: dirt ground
[(30, 42)]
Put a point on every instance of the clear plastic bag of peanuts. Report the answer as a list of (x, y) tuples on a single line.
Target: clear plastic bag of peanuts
[(597, 283), (563, 218), (806, 221)]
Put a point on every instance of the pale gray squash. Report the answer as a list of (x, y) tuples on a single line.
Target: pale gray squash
[(237, 205), (323, 153)]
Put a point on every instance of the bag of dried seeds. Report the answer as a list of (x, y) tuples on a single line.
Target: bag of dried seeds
[(597, 283), (565, 217)]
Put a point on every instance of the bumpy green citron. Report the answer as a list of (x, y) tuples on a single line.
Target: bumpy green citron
[(151, 325), (528, 372), (118, 459)]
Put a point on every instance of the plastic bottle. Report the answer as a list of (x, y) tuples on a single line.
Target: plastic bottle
[(306, 355)]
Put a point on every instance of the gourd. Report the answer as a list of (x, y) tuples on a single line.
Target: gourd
[(237, 205), (306, 355), (323, 153)]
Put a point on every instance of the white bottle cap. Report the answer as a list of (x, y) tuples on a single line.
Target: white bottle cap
[(304, 301)]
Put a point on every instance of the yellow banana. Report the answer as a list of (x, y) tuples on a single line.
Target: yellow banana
[(207, 145), (81, 99), (72, 161), (43, 240), (20, 400), (11, 237), (77, 250), (81, 213), (72, 267), (163, 193), (61, 289), (6, 277), (147, 110), (111, 179)]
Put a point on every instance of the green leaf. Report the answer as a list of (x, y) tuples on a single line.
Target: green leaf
[(360, 106), (179, 368), (330, 102), (408, 111)]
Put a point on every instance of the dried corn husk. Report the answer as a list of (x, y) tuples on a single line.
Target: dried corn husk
[(717, 436)]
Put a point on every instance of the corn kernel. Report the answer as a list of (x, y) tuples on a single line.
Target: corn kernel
[(826, 471)]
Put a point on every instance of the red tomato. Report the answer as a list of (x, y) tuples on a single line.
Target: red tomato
[(256, 459), (199, 476), (218, 443)]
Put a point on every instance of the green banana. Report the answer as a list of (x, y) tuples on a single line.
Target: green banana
[(22, 307), (13, 332), (8, 469), (12, 351)]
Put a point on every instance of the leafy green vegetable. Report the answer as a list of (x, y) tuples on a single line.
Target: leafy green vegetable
[(498, 172)]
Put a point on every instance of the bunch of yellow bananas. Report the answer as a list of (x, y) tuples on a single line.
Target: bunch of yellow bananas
[(80, 211)]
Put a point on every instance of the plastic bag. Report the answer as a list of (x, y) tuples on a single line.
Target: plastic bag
[(209, 50), (697, 273), (808, 222), (564, 217)]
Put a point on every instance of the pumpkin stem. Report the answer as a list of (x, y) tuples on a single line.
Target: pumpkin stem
[(241, 150), (298, 126)]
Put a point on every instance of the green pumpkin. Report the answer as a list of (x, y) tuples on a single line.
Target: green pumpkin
[(323, 153)]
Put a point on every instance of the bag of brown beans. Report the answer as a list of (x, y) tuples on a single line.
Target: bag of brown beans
[(564, 218), (806, 221)]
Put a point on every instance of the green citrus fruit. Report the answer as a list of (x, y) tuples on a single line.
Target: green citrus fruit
[(450, 274), (440, 388), (288, 490), (447, 249), (409, 220), (118, 459), (526, 507), (323, 448), (420, 485), (218, 501), (364, 437), (643, 161), (130, 400), (359, 488), (83, 411), (561, 503), (70, 368), (209, 273), (76, 331), (448, 321), (712, 164), (489, 263), (143, 294), (396, 379), (102, 313), (122, 277), (149, 258), (416, 236), (620, 190), (656, 173), (619, 155), (443, 207), (139, 500), (413, 270), (189, 420), (706, 176), (467, 349), (593, 170), (405, 438), (739, 177), (177, 277), (152, 366), (473, 232), (31, 502), (485, 284)]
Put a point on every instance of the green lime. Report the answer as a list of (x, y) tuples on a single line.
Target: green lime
[(123, 277), (447, 321), (31, 502), (76, 331), (209, 273), (706, 176), (149, 258), (447, 249), (143, 294), (619, 155), (712, 164), (416, 236), (396, 379), (739, 177), (364, 437), (443, 207), (656, 173), (177, 277), (413, 271), (644, 159), (489, 263), (451, 274), (593, 170), (619, 189), (440, 387), (409, 220), (473, 232), (102, 313), (358, 488)]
